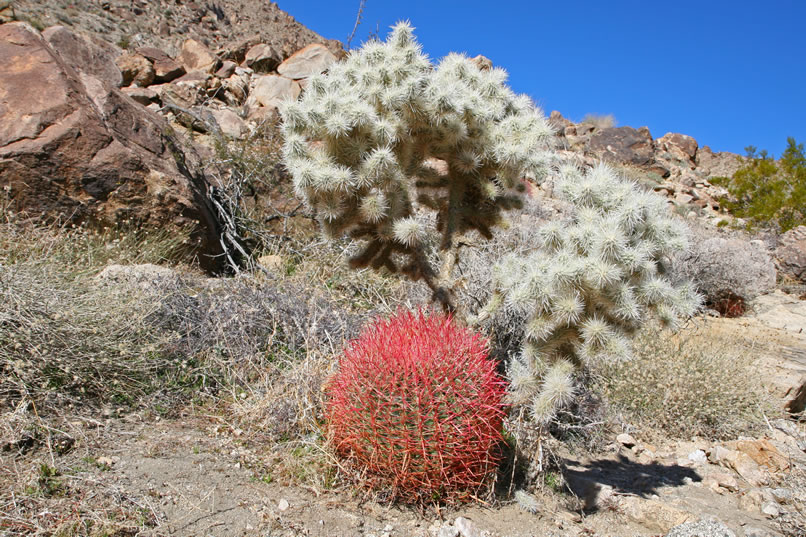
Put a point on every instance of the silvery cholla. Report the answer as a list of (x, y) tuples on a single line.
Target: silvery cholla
[(362, 141), (594, 280)]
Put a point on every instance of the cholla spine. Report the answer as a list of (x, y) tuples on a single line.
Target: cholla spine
[(361, 142), (592, 282)]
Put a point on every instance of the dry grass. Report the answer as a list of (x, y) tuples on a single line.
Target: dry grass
[(600, 121), (685, 385)]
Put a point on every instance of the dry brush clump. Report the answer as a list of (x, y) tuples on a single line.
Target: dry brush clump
[(686, 385), (416, 407), (729, 271), (65, 341)]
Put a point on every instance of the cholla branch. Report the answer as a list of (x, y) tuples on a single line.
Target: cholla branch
[(386, 138)]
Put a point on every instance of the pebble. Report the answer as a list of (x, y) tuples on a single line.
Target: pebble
[(283, 505), (770, 509)]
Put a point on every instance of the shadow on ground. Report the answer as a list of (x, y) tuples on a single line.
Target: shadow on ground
[(587, 480)]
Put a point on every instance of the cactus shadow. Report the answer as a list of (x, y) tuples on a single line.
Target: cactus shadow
[(595, 482)]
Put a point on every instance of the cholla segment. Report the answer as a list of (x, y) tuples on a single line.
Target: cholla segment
[(604, 275), (359, 141)]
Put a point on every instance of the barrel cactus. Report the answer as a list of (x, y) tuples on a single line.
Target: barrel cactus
[(416, 407)]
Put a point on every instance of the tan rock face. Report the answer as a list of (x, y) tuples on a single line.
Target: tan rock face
[(136, 70), (230, 124), (309, 61), (270, 90), (165, 68), (197, 57), (263, 58), (79, 150), (790, 254)]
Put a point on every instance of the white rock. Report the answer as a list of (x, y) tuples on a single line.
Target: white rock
[(308, 61), (698, 456), (770, 509), (448, 531), (626, 440), (283, 505), (270, 90), (466, 528)]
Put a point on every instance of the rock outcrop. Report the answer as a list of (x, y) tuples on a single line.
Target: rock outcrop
[(75, 148), (790, 255)]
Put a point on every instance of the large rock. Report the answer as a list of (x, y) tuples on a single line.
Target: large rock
[(136, 70), (270, 90), (722, 164), (74, 148), (165, 68), (263, 58), (624, 145), (197, 57), (96, 60), (680, 145), (790, 255), (309, 61)]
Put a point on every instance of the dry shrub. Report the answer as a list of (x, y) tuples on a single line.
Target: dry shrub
[(729, 271), (685, 385), (600, 121), (65, 341)]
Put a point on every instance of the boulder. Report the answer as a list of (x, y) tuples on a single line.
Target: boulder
[(653, 514), (270, 90), (6, 11), (136, 70), (73, 148), (712, 164), (96, 59), (308, 61), (144, 96), (165, 68), (790, 255), (680, 145), (197, 57), (263, 58), (230, 123), (227, 69), (623, 145)]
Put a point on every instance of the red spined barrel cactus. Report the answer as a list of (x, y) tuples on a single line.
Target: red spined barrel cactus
[(417, 407)]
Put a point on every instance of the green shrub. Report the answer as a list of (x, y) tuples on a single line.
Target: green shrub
[(766, 191)]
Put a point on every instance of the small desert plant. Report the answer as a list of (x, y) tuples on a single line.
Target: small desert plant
[(416, 407), (766, 191), (601, 121), (685, 385)]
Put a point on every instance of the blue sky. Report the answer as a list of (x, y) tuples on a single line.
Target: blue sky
[(728, 73)]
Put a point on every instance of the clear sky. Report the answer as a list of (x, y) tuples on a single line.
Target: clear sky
[(728, 73)]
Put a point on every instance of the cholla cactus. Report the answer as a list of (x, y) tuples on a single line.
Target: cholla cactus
[(365, 141), (593, 280)]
